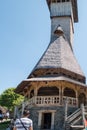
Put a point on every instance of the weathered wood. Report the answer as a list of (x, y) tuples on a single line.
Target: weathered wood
[(83, 117), (66, 108), (77, 126), (50, 100), (76, 121), (74, 116)]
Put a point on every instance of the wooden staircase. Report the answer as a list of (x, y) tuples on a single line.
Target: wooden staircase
[(75, 121)]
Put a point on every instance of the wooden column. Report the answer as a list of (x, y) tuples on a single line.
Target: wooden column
[(77, 96), (60, 95), (23, 106), (39, 120), (52, 121), (35, 92)]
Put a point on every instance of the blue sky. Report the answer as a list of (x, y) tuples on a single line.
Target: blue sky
[(25, 34)]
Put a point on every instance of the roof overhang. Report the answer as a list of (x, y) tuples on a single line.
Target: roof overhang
[(28, 82)]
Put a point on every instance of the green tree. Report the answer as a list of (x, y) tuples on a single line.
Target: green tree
[(10, 99)]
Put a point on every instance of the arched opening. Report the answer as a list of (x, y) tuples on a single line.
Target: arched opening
[(48, 91), (69, 92), (82, 99), (70, 95)]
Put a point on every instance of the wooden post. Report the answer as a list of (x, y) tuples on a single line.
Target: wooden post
[(83, 117), (39, 120), (66, 108), (66, 111), (15, 112), (23, 106)]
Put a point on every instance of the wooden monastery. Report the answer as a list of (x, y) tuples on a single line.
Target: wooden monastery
[(56, 91)]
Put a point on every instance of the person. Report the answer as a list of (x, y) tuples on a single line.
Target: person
[(85, 121), (1, 116), (7, 115), (23, 123)]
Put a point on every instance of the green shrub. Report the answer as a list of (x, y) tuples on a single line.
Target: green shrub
[(4, 125)]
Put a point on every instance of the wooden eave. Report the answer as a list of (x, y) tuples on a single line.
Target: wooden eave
[(28, 82), (23, 85), (59, 71)]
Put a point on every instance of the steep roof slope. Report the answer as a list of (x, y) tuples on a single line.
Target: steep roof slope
[(59, 55)]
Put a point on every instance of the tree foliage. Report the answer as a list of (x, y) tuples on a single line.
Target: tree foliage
[(10, 99)]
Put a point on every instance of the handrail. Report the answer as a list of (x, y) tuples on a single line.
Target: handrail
[(77, 115), (74, 122), (79, 109), (74, 115), (78, 126)]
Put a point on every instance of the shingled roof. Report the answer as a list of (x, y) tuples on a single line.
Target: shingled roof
[(59, 55)]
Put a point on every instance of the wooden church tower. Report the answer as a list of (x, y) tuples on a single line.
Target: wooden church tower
[(57, 78)]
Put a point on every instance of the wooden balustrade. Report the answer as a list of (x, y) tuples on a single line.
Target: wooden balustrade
[(51, 100), (47, 100), (71, 101), (43, 100)]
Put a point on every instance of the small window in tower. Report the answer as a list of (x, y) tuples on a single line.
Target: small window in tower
[(63, 0), (54, 1), (58, 0)]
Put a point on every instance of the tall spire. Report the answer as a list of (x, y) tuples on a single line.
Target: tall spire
[(59, 56), (63, 13)]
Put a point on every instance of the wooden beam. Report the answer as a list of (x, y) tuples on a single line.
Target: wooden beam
[(77, 126)]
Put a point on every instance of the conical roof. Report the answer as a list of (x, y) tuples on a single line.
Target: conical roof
[(59, 55)]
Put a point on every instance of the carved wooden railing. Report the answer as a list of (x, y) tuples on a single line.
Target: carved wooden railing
[(71, 101), (43, 100), (51, 100)]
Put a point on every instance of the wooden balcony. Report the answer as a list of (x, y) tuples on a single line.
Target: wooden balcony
[(51, 100)]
